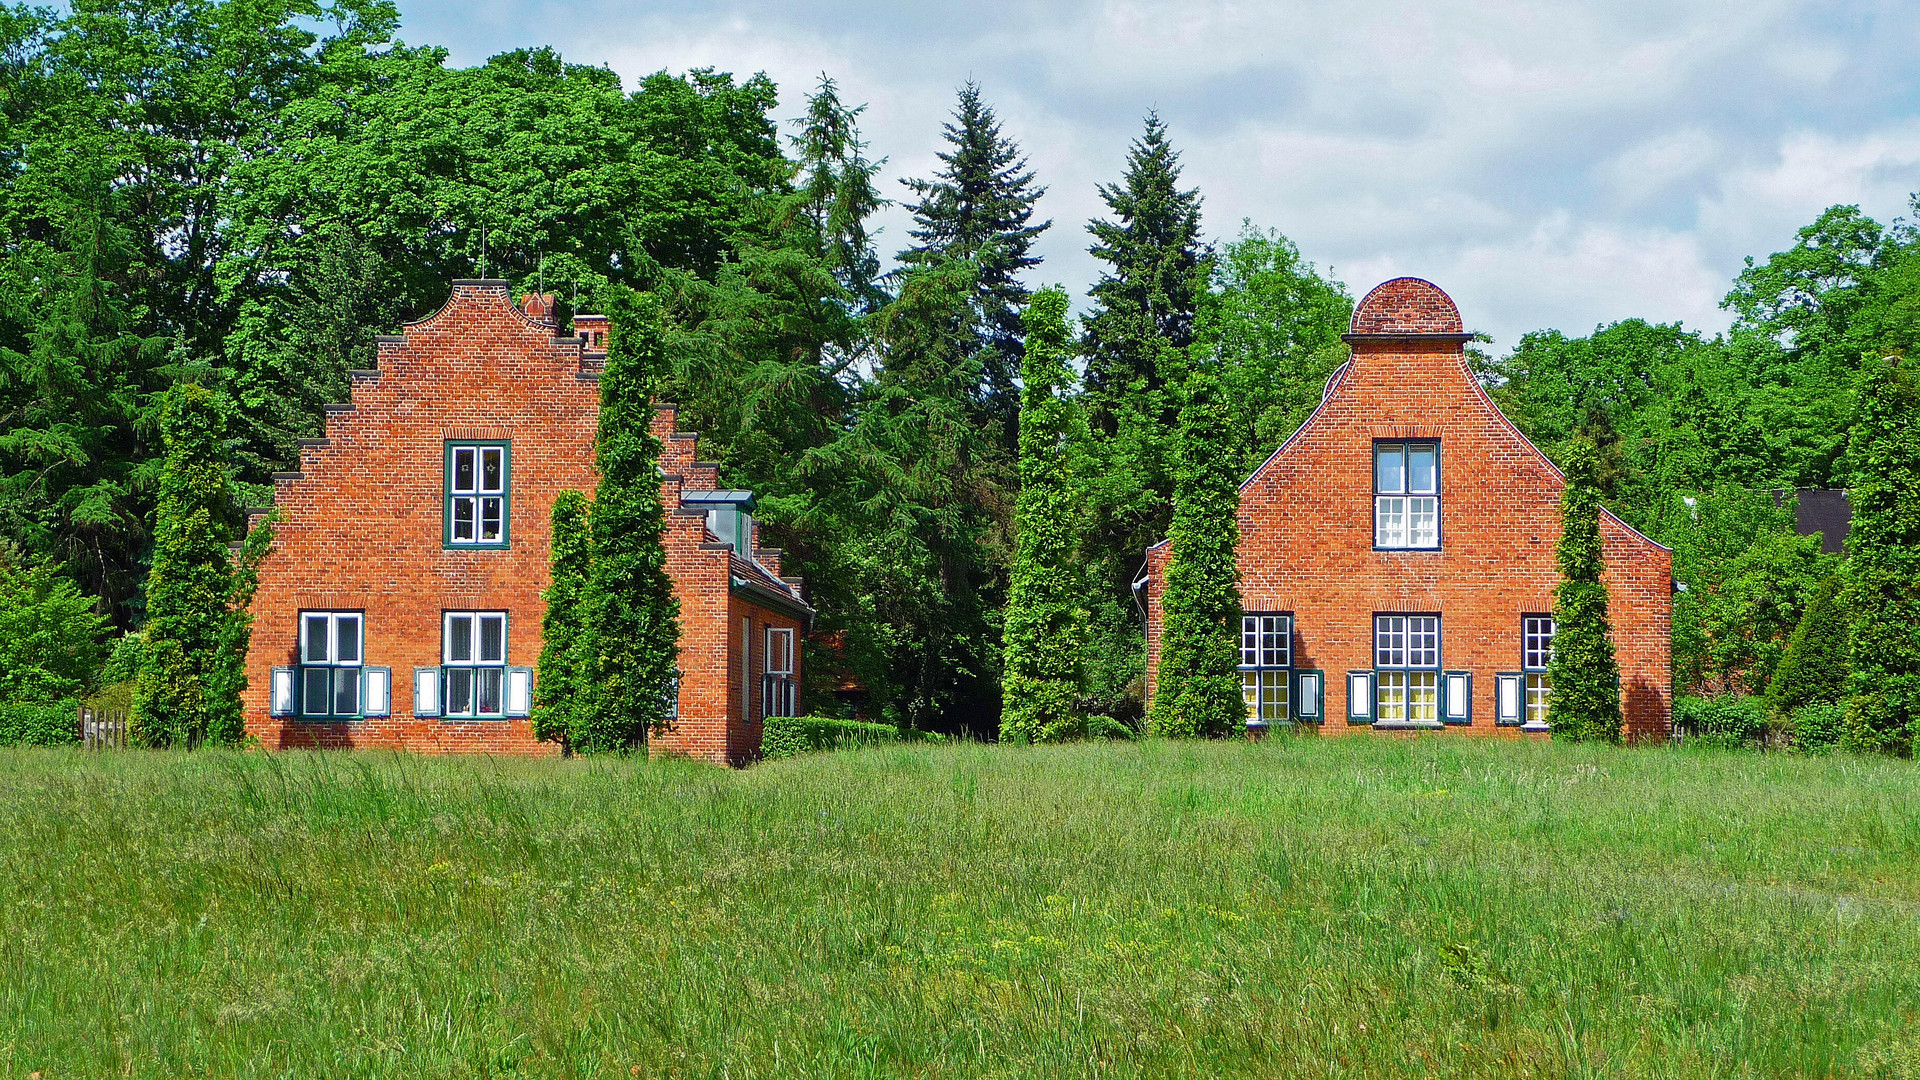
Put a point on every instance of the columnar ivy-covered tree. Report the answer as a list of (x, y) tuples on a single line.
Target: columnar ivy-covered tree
[(1814, 669), (979, 207), (1199, 686), (632, 639), (1046, 602), (557, 689), (191, 584), (1585, 703), (1883, 561), (227, 677)]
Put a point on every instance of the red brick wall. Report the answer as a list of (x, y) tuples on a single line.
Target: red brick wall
[(362, 529), (1306, 522)]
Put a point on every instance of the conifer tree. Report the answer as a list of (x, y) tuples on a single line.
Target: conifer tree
[(979, 207), (632, 638), (1814, 669), (1046, 611), (1585, 703), (191, 584), (557, 689), (837, 194), (1882, 569), (1199, 686)]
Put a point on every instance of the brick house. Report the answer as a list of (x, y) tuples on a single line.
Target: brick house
[(400, 605), (1397, 553)]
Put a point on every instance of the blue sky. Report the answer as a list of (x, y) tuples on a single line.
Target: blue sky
[(1548, 164)]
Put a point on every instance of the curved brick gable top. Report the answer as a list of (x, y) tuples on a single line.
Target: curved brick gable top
[(1406, 305)]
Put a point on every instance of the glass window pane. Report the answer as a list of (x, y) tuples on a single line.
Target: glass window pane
[(463, 469), (489, 520), (492, 468), (314, 692), (1390, 522), (1390, 641), (1423, 641), (1392, 695), (1423, 697), (1390, 468), (315, 643), (1276, 645), (1423, 522), (459, 691), (346, 648), (1250, 641), (1423, 469), (459, 639), (1250, 692), (346, 691), (1275, 696), (493, 639), (463, 520), (490, 684)]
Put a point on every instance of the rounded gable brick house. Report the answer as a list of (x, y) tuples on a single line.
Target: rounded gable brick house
[(1397, 552)]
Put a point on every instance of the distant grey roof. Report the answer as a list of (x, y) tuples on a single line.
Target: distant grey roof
[(1824, 511), (715, 498)]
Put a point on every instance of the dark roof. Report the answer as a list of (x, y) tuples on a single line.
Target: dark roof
[(1824, 511)]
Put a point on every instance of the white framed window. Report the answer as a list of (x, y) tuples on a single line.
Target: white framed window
[(1406, 495), (473, 664), (779, 690), (332, 653), (478, 494), (1406, 662), (1266, 667), (1536, 657)]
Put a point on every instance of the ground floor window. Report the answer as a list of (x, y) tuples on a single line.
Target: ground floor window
[(1266, 667), (1536, 656), (779, 690), (1406, 660), (474, 663), (331, 656)]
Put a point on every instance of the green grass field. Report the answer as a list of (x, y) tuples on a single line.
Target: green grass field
[(1312, 907)]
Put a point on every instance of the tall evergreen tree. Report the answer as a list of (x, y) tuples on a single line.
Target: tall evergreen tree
[(1814, 669), (191, 585), (1883, 561), (1046, 609), (557, 689), (632, 639), (1199, 686), (837, 195), (1585, 703), (979, 207)]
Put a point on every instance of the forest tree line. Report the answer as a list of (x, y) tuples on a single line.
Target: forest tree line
[(241, 196)]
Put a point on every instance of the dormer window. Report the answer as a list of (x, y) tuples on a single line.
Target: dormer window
[(1406, 495), (478, 494), (729, 517)]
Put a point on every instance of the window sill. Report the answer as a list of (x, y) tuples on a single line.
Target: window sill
[(1397, 725), (470, 719), (1536, 727)]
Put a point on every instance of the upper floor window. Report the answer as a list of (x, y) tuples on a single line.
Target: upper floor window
[(1406, 660), (478, 494), (475, 662), (1266, 668), (1406, 495)]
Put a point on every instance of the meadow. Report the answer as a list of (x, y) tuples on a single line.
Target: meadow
[(1311, 907)]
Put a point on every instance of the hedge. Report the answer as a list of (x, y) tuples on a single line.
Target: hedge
[(22, 724), (1818, 728), (1730, 720), (791, 736)]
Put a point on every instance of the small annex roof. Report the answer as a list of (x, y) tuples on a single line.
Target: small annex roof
[(732, 497)]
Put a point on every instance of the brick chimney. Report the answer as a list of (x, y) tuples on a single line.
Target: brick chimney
[(538, 305), (592, 332)]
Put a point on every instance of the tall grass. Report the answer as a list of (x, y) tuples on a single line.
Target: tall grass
[(1312, 908)]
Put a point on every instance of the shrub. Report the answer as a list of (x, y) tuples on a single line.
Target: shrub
[(1882, 571), (24, 724), (1818, 728), (1727, 720), (1814, 670), (791, 736), (49, 635)]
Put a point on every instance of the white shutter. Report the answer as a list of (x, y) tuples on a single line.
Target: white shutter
[(1308, 705), (519, 691), (426, 691), (1360, 697), (281, 703), (376, 691), (1459, 697), (1510, 685)]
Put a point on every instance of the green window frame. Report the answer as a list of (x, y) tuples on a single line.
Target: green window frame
[(473, 665), (333, 650), (1266, 667), (477, 482)]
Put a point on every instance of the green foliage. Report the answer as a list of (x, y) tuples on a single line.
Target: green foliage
[(1198, 693), (189, 630), (49, 635), (1729, 721), (1814, 669), (631, 640), (1046, 613), (837, 194), (790, 736), (557, 688), (40, 723), (1882, 592), (1585, 703), (1749, 580), (1818, 728), (226, 672)]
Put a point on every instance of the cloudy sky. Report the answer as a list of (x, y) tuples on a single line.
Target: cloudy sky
[(1548, 164)]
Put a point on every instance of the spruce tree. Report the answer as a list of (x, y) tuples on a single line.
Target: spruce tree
[(191, 584), (557, 689), (979, 207), (837, 194), (1199, 686), (1814, 669), (632, 638), (1046, 611), (1882, 569), (1585, 703)]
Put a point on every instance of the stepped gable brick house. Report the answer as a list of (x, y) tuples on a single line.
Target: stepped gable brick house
[(400, 605), (1397, 553)]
